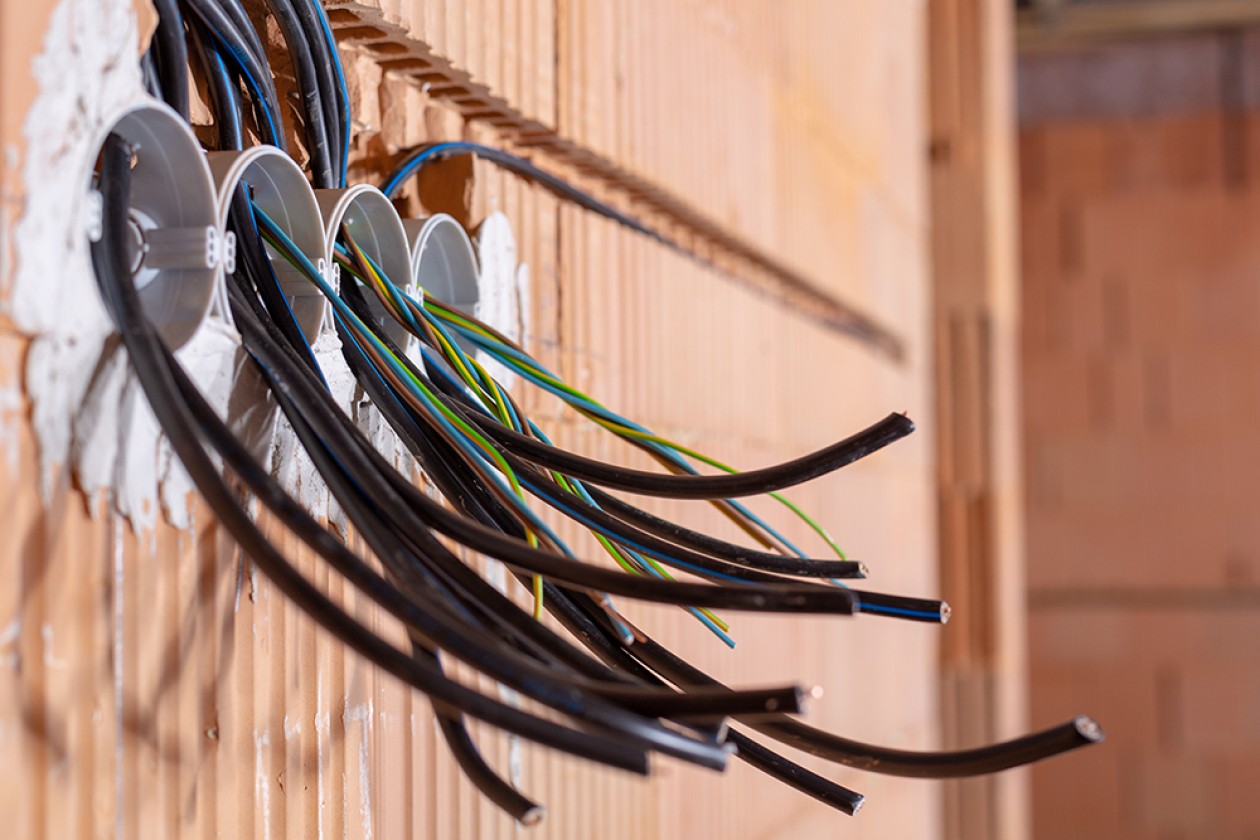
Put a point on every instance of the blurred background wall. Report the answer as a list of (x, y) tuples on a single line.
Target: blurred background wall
[(1139, 147)]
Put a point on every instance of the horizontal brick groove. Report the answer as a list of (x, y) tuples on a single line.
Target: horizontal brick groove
[(708, 241)]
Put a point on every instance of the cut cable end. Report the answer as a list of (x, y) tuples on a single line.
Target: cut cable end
[(804, 696), (533, 816), (946, 612), (857, 805), (1088, 729)]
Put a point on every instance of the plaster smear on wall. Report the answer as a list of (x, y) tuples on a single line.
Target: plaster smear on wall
[(293, 467), (210, 358), (503, 287), (86, 71), (88, 413)]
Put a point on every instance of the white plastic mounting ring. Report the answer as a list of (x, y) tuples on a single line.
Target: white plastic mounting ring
[(279, 188), (444, 261), (176, 243), (373, 222)]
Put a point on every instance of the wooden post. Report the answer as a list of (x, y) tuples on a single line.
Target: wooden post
[(976, 309)]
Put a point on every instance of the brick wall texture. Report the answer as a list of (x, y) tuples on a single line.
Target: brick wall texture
[(1140, 203)]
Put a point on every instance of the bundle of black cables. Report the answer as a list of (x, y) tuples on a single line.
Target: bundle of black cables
[(620, 695)]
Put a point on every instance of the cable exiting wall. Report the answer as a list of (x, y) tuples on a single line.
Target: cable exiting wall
[(297, 272)]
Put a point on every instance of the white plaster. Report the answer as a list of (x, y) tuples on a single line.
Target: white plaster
[(365, 780), (135, 479), (361, 713), (209, 358), (252, 411), (88, 412), (86, 71), (291, 464), (239, 585), (94, 441), (503, 287), (323, 738), (382, 435), (7, 199), (261, 786)]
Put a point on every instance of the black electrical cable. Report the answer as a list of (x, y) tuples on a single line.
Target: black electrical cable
[(172, 56), (413, 160), (434, 620), (148, 356), (314, 115), (468, 756), (221, 27), (760, 598), (460, 490), (243, 25), (927, 610), (578, 615), (665, 551), (698, 541), (521, 674), (643, 701), (149, 75), (254, 268), (223, 92), (747, 483), (1078, 732), (309, 18), (767, 598), (483, 777), (762, 562), (794, 775), (618, 530)]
